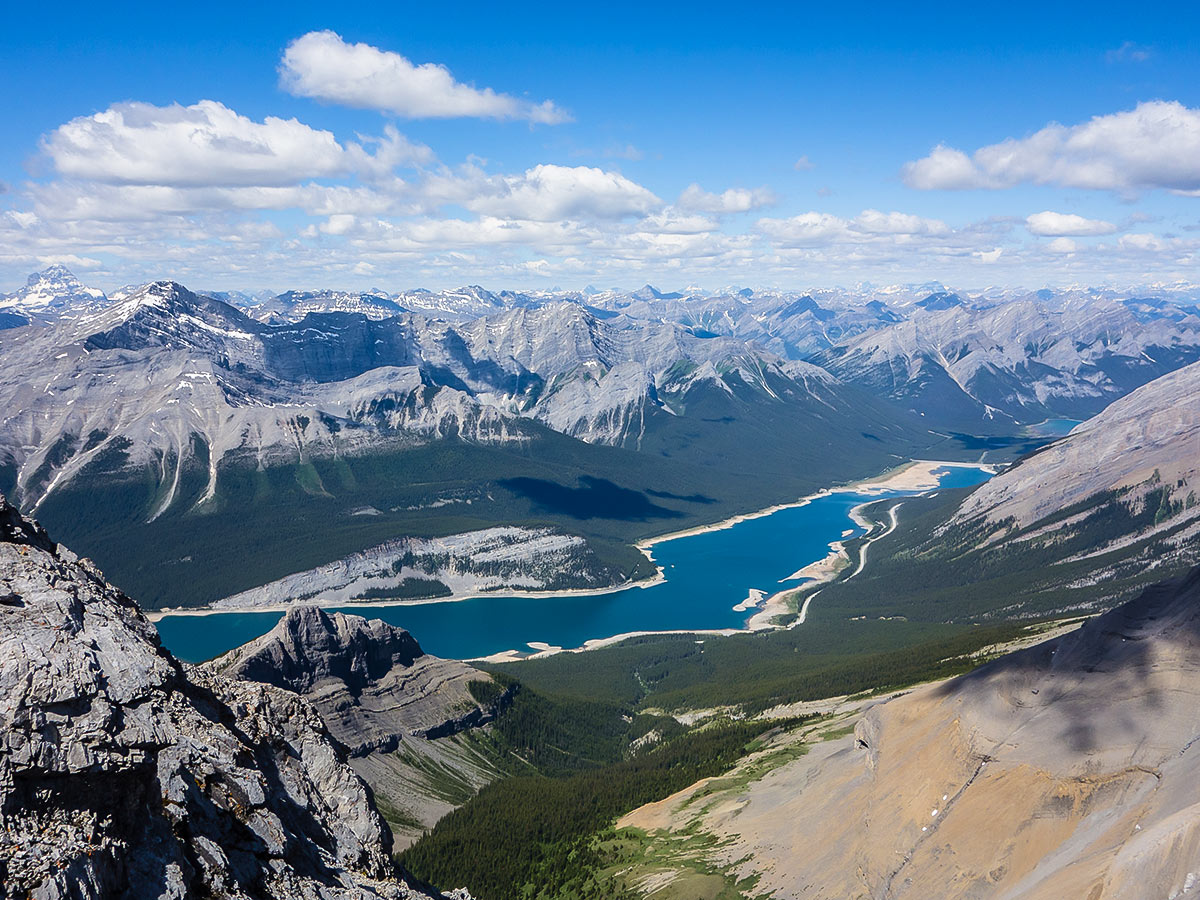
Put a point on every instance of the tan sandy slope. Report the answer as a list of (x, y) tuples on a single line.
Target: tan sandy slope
[(1068, 770)]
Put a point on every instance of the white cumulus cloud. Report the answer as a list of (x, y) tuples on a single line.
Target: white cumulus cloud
[(806, 229), (735, 200), (873, 221), (944, 169), (208, 144), (324, 67), (816, 229), (1154, 145), (1143, 242), (1054, 224), (548, 193)]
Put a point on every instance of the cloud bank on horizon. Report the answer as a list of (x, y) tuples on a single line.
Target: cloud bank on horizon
[(205, 192)]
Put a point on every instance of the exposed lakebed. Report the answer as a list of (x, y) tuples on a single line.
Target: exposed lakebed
[(706, 575)]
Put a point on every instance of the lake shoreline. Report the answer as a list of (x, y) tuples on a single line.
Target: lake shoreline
[(912, 477), (916, 475), (825, 571)]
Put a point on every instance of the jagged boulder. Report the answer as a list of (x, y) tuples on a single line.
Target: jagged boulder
[(125, 774), (310, 646), (372, 682)]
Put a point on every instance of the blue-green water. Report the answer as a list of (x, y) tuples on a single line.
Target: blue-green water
[(706, 576)]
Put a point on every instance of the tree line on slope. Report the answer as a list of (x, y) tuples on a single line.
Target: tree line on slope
[(530, 836)]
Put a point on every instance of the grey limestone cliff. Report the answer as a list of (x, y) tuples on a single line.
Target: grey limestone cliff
[(403, 715), (125, 774)]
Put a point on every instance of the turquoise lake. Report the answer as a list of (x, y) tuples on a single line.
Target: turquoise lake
[(706, 576)]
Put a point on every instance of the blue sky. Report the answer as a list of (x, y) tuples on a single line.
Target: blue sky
[(233, 146)]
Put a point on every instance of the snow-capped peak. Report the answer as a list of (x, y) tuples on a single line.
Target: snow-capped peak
[(52, 293)]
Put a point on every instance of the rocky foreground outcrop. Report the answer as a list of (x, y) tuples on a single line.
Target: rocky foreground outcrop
[(124, 774), (373, 683), (1068, 770), (394, 707)]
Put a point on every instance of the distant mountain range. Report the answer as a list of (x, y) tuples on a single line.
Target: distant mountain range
[(990, 358), (158, 405), (1085, 522), (1020, 362), (163, 373)]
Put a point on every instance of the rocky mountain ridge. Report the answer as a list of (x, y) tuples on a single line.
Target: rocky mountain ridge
[(1085, 522), (1020, 362), (1117, 497), (396, 709), (170, 378), (343, 370), (123, 773), (171, 404), (1155, 429), (52, 294)]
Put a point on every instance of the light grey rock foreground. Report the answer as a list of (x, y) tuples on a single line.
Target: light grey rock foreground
[(123, 774)]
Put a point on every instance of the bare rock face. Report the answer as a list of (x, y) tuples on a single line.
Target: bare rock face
[(123, 774), (309, 647), (1154, 429), (395, 708), (1067, 770), (372, 681)]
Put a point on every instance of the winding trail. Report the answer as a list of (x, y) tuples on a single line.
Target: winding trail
[(862, 559)]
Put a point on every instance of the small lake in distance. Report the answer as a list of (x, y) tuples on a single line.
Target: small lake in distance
[(707, 575)]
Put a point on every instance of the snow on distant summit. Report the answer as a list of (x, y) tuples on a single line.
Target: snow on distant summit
[(311, 372), (162, 370), (50, 294)]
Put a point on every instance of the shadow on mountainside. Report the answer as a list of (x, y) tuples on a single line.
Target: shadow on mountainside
[(595, 498), (1103, 684)]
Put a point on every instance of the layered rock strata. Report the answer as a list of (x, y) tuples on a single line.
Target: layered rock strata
[(399, 711), (1071, 769)]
